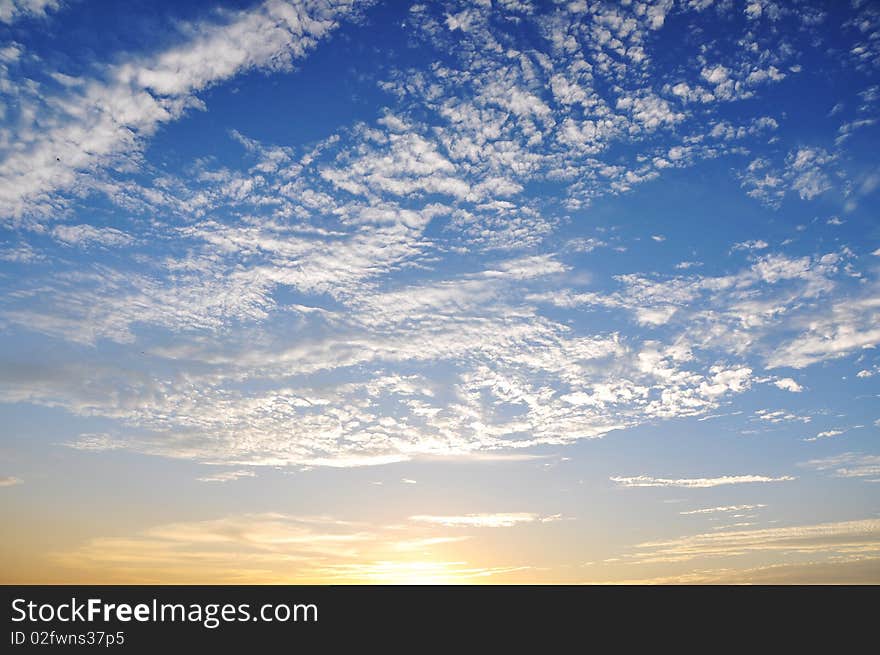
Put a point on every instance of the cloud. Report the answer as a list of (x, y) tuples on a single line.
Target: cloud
[(96, 442), (753, 309), (826, 434), (390, 291), (735, 312), (835, 331), (271, 547), (848, 465), (806, 171), (478, 520), (756, 244), (723, 508), (108, 117), (695, 483), (227, 476), (465, 321), (780, 416), (847, 538), (787, 384), (246, 547), (355, 461), (22, 253), (85, 234), (587, 244), (10, 481), (15, 10)]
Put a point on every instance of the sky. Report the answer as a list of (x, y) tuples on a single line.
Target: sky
[(330, 291)]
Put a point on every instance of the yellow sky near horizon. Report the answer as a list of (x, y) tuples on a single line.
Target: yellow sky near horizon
[(275, 548)]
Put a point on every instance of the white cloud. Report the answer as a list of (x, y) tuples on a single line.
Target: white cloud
[(846, 538), (359, 227), (22, 253), (14, 10), (787, 384), (826, 434), (588, 244), (780, 416), (716, 75), (848, 465), (695, 483), (97, 120), (227, 476), (756, 244), (723, 508), (655, 315), (807, 171), (478, 520), (85, 234), (843, 326)]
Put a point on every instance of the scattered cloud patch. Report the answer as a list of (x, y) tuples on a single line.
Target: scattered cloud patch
[(480, 520), (788, 384), (695, 483), (723, 508), (227, 476)]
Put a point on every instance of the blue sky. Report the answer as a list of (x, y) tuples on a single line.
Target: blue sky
[(480, 292)]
